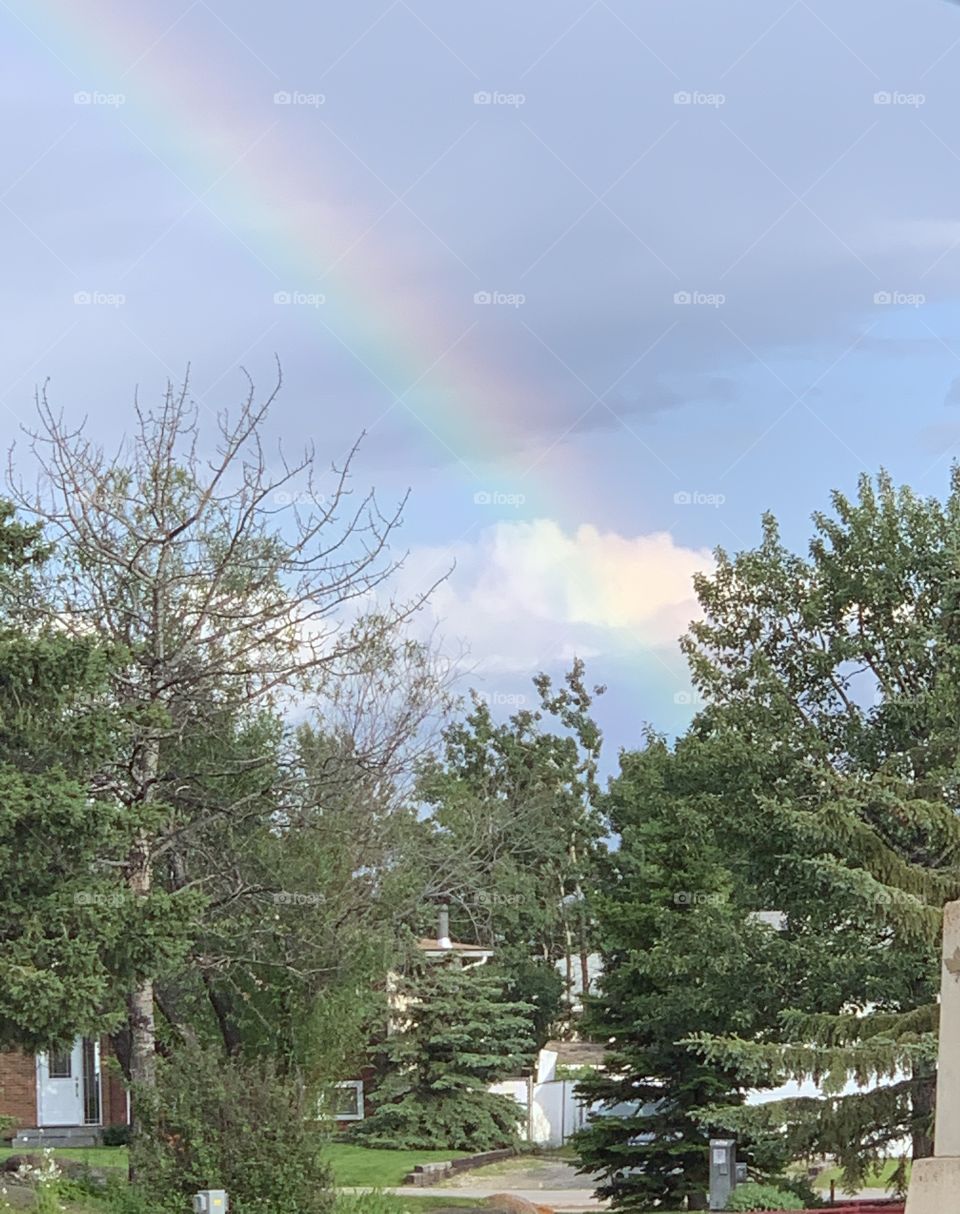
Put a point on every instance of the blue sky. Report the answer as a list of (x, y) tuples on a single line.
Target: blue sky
[(644, 271)]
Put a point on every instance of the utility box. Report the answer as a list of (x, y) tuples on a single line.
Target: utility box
[(723, 1171), (210, 1201)]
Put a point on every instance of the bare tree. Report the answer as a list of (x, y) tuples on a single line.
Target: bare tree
[(227, 587)]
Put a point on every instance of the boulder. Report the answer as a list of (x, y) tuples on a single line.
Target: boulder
[(509, 1203), (13, 1163)]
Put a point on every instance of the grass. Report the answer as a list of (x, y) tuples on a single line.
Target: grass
[(95, 1157), (352, 1167), (355, 1166), (877, 1179)]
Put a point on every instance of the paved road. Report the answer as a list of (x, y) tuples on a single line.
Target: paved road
[(524, 1173), (568, 1200)]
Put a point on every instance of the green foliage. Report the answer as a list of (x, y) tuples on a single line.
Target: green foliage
[(319, 856), (115, 1135), (69, 938), (458, 1035), (375, 1202), (763, 1197), (223, 1123), (514, 834), (119, 1197), (831, 687), (801, 1187), (680, 955), (81, 1185)]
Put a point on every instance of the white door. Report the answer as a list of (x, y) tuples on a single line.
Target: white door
[(60, 1086)]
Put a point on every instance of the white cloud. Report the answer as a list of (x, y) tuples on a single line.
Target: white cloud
[(530, 592)]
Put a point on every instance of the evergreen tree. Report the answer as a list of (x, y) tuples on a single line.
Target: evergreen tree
[(680, 954), (68, 937), (457, 1035), (515, 835), (837, 673)]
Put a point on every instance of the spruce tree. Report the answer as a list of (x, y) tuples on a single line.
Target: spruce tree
[(680, 954), (454, 1034), (67, 936), (839, 672)]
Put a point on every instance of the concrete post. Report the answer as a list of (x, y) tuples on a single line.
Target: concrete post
[(723, 1172), (947, 1140), (935, 1183)]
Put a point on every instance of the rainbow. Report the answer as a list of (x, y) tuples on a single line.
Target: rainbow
[(256, 183)]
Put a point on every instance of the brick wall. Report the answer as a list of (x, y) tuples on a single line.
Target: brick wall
[(18, 1088), (113, 1095)]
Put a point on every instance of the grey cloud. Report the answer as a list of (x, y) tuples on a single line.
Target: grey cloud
[(513, 200)]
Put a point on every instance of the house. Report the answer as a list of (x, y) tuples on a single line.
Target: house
[(467, 955), (67, 1097), (64, 1097)]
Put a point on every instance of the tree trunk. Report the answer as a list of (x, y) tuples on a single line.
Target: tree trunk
[(143, 1034), (140, 1011), (143, 1028), (221, 1009), (584, 972)]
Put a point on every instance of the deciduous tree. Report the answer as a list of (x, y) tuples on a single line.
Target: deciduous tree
[(229, 587)]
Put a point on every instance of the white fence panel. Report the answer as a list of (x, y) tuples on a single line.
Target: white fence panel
[(554, 1114)]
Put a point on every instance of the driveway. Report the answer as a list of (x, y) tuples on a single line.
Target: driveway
[(551, 1182), (527, 1173)]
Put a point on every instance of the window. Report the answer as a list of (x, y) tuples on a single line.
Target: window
[(347, 1101), (60, 1064), (91, 1083)]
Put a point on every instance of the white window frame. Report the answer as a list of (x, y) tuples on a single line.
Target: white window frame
[(357, 1085)]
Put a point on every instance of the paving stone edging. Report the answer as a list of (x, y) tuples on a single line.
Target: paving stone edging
[(433, 1173)]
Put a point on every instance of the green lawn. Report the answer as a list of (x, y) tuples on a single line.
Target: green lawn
[(96, 1157), (873, 1180), (361, 1166), (351, 1165)]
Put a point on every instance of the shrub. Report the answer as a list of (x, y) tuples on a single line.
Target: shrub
[(217, 1123), (460, 1034), (763, 1197), (120, 1198), (801, 1187), (374, 1202), (116, 1135)]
